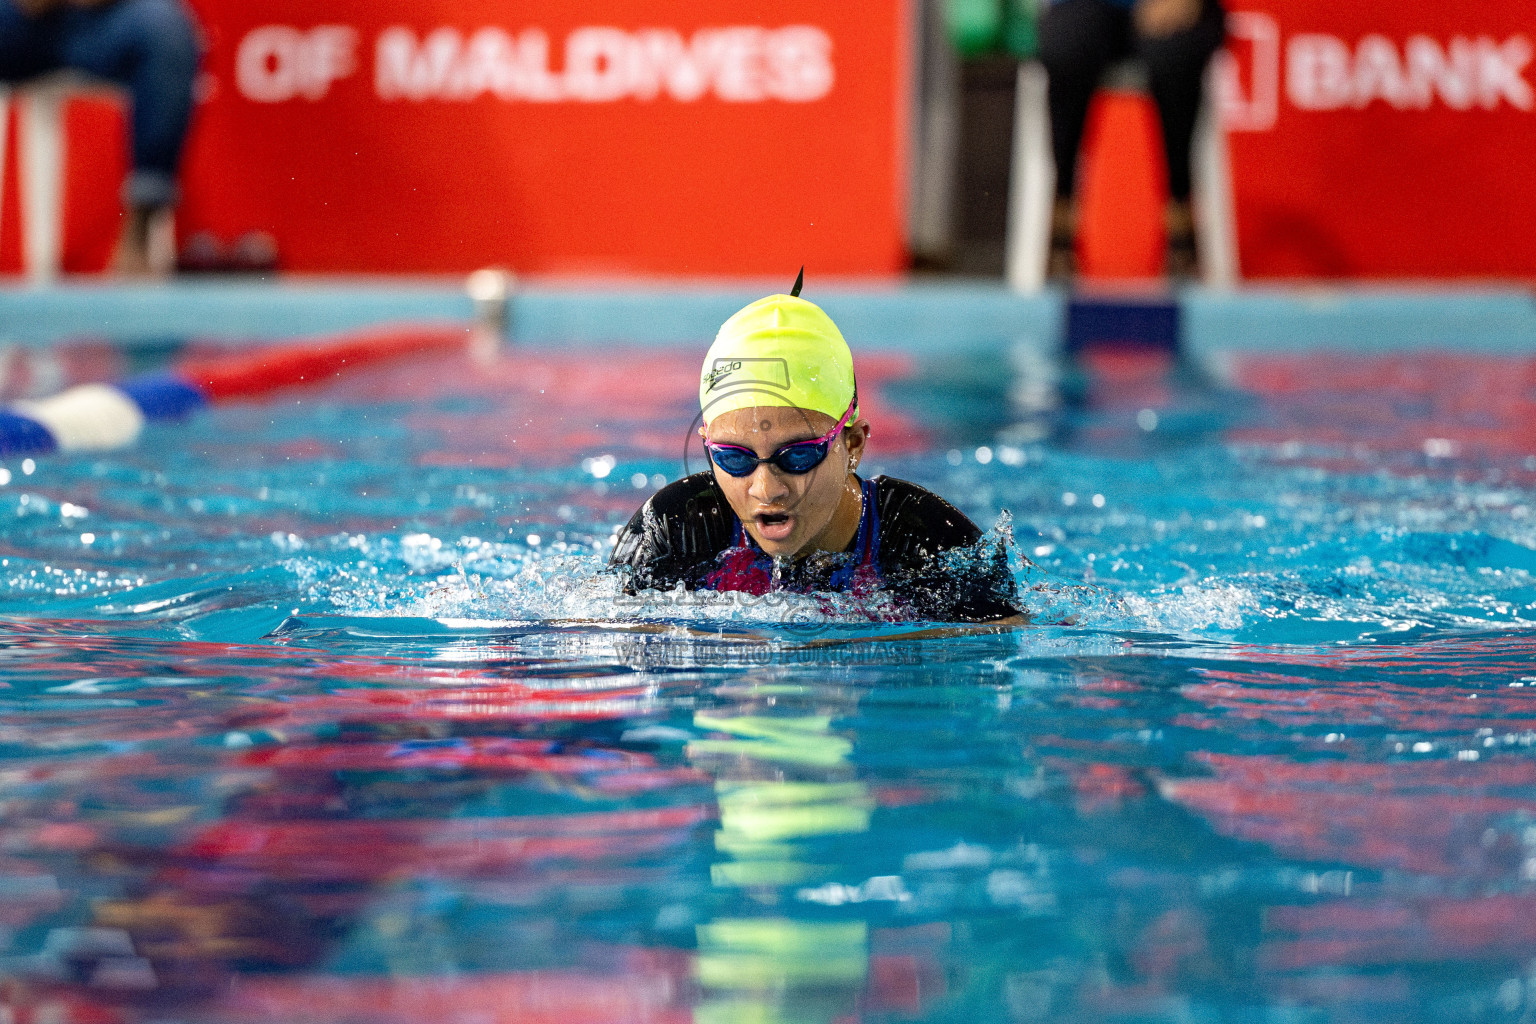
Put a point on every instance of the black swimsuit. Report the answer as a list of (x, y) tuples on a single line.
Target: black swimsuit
[(909, 544)]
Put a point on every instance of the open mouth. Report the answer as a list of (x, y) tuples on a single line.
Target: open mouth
[(775, 525)]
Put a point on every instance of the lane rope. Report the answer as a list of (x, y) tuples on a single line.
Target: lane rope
[(106, 417)]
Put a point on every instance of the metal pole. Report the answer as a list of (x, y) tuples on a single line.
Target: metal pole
[(1032, 185)]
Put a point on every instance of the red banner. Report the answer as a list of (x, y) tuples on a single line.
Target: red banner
[(1382, 138), (712, 137), (1368, 139)]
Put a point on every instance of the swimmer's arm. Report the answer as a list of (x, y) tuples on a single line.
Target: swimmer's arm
[(645, 554), (660, 629), (922, 529), (744, 635), (932, 633)]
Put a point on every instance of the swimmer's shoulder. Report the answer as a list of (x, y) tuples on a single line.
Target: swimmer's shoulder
[(916, 526), (915, 522), (696, 496), (686, 519)]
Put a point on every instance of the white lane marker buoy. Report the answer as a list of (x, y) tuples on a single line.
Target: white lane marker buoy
[(92, 417)]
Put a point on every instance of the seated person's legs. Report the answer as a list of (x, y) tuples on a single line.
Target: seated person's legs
[(1176, 62), (28, 45), (1078, 40), (150, 48)]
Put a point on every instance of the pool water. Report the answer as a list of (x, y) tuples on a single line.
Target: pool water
[(322, 709)]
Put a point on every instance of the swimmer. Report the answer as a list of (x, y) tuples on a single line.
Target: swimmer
[(783, 507)]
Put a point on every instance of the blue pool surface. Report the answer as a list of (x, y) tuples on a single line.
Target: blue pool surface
[(322, 708)]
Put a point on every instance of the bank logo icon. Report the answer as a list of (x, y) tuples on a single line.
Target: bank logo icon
[(1247, 73)]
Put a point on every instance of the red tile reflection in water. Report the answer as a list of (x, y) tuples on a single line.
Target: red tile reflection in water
[(1477, 659), (1397, 932), (643, 991), (1291, 701), (1427, 817), (1127, 376), (278, 869), (351, 850), (1463, 825), (27, 372), (1477, 405), (640, 986), (1454, 686), (546, 406)]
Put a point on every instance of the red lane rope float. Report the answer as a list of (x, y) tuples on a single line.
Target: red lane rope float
[(314, 362)]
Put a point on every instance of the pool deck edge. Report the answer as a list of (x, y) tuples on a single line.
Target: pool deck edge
[(917, 317)]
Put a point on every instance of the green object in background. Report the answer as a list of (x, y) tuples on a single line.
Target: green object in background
[(1020, 21), (980, 27), (974, 25)]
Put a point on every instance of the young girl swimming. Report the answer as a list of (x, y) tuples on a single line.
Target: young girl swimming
[(783, 508)]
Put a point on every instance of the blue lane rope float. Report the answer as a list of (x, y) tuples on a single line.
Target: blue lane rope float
[(21, 435)]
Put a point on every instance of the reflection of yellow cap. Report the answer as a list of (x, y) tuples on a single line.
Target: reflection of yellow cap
[(778, 953), (779, 351)]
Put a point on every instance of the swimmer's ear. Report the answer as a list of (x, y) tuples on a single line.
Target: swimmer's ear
[(794, 292), (856, 438)]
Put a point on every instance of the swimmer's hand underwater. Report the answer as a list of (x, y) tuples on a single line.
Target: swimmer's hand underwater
[(782, 506)]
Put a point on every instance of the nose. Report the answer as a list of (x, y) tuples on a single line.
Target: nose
[(766, 486)]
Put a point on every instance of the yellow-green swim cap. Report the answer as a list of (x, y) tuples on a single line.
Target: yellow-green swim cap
[(779, 351)]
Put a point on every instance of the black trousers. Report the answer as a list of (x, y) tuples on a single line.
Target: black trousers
[(1080, 38), (148, 46)]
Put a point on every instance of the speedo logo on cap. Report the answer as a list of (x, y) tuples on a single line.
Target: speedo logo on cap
[(773, 373)]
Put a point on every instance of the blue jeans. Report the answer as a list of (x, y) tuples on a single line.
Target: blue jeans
[(147, 46)]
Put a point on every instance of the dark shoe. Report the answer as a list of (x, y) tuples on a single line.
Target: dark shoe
[(1183, 255), (1062, 264), (203, 253), (254, 252)]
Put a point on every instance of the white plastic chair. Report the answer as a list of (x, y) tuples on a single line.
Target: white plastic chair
[(40, 136), (1032, 187)]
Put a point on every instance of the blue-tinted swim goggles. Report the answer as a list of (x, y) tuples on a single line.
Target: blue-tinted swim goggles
[(797, 457)]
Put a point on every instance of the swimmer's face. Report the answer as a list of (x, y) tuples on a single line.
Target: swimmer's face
[(791, 514)]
